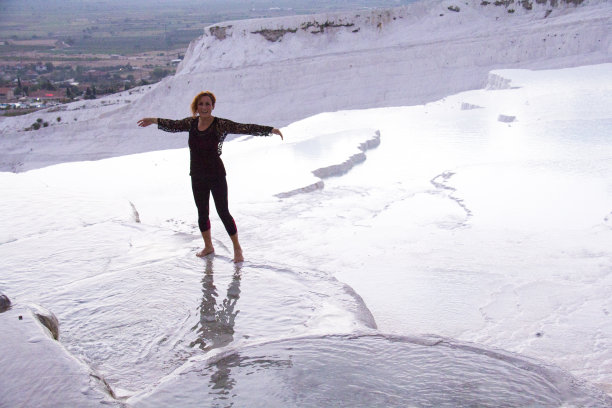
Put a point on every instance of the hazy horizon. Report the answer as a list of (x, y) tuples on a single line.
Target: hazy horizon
[(216, 6)]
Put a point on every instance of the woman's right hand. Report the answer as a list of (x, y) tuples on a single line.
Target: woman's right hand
[(144, 122)]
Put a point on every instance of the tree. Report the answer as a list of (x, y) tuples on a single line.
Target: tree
[(46, 84), (19, 89), (89, 94), (159, 73)]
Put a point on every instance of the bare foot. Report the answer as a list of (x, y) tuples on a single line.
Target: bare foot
[(204, 252), (238, 256)]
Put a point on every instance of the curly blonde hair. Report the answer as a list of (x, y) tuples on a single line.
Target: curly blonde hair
[(196, 100)]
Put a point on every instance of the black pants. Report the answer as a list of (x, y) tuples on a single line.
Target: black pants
[(202, 187)]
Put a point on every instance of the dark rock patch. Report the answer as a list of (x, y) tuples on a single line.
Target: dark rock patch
[(5, 303)]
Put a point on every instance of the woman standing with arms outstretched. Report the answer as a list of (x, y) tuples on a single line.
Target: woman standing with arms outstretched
[(206, 136)]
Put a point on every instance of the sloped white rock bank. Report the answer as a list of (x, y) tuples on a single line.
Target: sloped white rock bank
[(37, 371)]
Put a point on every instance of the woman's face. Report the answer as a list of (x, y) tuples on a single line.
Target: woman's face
[(205, 106)]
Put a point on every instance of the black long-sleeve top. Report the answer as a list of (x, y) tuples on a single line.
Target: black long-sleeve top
[(205, 146)]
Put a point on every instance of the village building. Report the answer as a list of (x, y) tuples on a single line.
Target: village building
[(6, 94), (45, 95)]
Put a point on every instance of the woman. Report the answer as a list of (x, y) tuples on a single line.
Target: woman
[(206, 136)]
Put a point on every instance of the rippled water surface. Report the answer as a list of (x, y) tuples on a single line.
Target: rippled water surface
[(138, 312), (369, 371)]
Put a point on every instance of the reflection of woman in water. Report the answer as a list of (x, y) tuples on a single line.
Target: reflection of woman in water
[(216, 326), (206, 136)]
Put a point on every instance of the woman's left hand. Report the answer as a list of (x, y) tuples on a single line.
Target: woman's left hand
[(278, 132)]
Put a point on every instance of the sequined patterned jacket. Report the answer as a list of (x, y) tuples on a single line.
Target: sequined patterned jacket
[(205, 146)]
